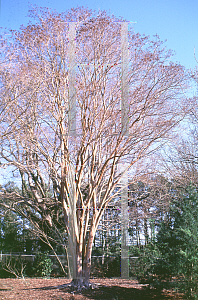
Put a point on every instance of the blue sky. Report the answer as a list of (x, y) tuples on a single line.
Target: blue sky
[(173, 20)]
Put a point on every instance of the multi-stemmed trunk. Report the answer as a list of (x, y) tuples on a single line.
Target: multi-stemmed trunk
[(80, 262)]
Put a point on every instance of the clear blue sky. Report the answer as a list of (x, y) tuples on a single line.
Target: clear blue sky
[(174, 20)]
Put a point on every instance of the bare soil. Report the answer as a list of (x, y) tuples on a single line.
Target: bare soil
[(47, 289)]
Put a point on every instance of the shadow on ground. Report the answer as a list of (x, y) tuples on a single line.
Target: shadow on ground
[(118, 293)]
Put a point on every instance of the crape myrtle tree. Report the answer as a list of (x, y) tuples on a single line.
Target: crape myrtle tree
[(69, 179), (9, 93)]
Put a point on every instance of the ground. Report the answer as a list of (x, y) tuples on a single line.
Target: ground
[(47, 289)]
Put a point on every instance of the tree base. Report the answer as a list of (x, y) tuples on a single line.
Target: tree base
[(78, 285)]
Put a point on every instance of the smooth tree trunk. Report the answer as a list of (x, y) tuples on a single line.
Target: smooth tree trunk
[(82, 262)]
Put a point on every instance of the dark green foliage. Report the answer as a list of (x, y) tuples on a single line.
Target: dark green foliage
[(11, 240), (177, 241), (108, 262), (4, 273), (143, 266), (109, 268), (12, 266), (10, 225), (42, 265)]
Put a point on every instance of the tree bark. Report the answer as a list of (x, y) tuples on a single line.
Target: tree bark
[(83, 263)]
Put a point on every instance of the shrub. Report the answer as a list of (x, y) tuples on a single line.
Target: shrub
[(42, 265), (177, 240)]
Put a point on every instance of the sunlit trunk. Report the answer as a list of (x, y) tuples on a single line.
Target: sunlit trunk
[(83, 262)]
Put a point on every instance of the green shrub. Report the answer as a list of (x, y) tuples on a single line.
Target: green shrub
[(177, 241), (42, 265), (143, 266)]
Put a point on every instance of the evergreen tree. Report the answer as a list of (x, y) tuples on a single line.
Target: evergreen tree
[(11, 225), (12, 236), (177, 240)]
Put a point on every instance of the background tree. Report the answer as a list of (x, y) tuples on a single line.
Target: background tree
[(11, 228), (68, 181), (177, 240)]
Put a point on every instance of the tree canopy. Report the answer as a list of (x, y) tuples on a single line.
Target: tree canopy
[(62, 117)]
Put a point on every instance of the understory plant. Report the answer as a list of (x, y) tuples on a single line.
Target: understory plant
[(42, 265)]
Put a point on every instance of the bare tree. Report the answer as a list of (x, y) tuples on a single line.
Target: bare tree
[(69, 178)]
